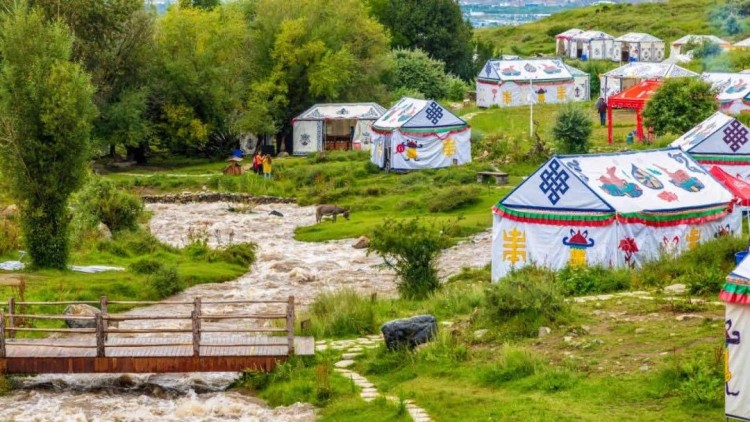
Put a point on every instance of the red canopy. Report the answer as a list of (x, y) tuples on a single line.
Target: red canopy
[(634, 98), (739, 187)]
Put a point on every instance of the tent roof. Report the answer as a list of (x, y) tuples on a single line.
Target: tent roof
[(419, 115), (525, 70), (569, 33), (649, 70), (364, 111), (743, 43), (739, 188), (730, 86), (637, 37), (699, 38), (575, 72), (635, 96), (644, 182), (699, 137), (592, 35)]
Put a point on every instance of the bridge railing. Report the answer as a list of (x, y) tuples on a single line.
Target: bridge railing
[(105, 324)]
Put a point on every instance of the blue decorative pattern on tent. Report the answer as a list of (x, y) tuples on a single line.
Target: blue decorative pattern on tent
[(315, 115), (371, 114), (434, 113), (735, 135), (342, 112), (682, 160), (488, 69), (554, 182), (576, 167), (305, 139)]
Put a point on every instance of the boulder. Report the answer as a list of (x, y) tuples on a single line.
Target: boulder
[(10, 211), (104, 231), (301, 275), (676, 289), (362, 243), (543, 331), (409, 332), (276, 213), (79, 309)]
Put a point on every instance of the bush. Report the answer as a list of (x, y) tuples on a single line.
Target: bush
[(572, 131), (343, 313), (586, 280), (514, 363), (165, 282), (101, 201), (146, 266), (697, 379), (446, 200), (10, 235), (411, 250), (242, 254)]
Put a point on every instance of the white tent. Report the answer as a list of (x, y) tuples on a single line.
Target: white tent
[(616, 210), (743, 44), (591, 45), (733, 91), (632, 74), (334, 126), (721, 141), (517, 82), (563, 41), (637, 46), (678, 46), (420, 134), (736, 295)]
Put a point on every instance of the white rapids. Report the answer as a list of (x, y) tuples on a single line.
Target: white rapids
[(285, 267)]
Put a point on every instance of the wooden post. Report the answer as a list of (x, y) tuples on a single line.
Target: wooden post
[(196, 326), (103, 310), (2, 335), (11, 322), (290, 325), (99, 335)]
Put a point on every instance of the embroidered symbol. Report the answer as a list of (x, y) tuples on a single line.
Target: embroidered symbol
[(434, 113), (554, 182)]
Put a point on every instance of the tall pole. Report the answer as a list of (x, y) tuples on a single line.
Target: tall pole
[(531, 108)]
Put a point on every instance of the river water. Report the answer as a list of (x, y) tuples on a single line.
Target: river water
[(284, 267)]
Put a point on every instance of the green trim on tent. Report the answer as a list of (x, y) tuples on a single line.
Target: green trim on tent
[(722, 158), (661, 217)]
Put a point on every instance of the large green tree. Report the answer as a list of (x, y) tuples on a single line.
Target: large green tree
[(434, 26), (415, 71), (678, 105), (46, 112)]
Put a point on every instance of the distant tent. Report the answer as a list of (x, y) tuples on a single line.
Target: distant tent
[(733, 91), (618, 209), (736, 296), (721, 141), (742, 44), (563, 40), (634, 98), (334, 127), (637, 46), (677, 47), (591, 45), (420, 134), (631, 74), (518, 82)]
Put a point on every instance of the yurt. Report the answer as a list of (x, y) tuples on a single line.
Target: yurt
[(678, 46), (720, 141), (334, 127), (419, 134), (732, 91), (631, 74), (591, 45), (736, 297), (563, 40), (638, 47), (508, 83), (742, 45), (614, 210)]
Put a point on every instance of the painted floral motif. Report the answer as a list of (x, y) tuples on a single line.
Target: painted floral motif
[(617, 186), (723, 231), (629, 247), (510, 71), (669, 246), (667, 196), (550, 70), (578, 242)]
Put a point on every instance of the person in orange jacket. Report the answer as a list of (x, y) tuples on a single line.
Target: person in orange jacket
[(258, 163)]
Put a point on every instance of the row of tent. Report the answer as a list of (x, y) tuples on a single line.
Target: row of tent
[(622, 209)]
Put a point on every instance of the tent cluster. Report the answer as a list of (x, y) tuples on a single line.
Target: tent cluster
[(596, 45)]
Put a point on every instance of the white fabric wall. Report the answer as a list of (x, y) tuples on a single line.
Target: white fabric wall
[(511, 94), (737, 363), (377, 153), (544, 243), (307, 136), (363, 133), (485, 94), (418, 152)]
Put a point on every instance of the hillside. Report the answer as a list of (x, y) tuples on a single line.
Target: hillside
[(667, 21)]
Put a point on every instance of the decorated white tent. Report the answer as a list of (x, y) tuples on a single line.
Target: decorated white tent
[(721, 141), (617, 209), (637, 46), (632, 74), (736, 295), (517, 82), (678, 46), (742, 44), (419, 134), (733, 91), (591, 45), (334, 126), (563, 40)]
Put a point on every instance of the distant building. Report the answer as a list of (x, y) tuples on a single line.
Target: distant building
[(677, 47), (744, 44), (563, 41), (591, 45), (639, 47)]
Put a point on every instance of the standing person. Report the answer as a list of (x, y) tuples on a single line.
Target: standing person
[(258, 163), (267, 166), (601, 107)]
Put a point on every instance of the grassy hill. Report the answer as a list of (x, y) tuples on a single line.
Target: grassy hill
[(668, 21)]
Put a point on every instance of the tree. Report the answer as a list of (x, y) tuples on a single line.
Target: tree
[(201, 4), (572, 131), (414, 70), (434, 26), (47, 110), (678, 105)]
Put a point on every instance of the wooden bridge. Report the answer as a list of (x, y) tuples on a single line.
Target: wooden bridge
[(206, 339)]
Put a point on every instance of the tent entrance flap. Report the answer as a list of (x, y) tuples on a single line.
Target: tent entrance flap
[(339, 134)]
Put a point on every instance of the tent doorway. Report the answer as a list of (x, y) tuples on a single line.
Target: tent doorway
[(579, 49), (338, 134), (625, 53), (387, 153)]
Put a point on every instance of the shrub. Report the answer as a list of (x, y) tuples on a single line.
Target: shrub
[(100, 200), (585, 280), (242, 254), (411, 250), (513, 363), (10, 235), (343, 313), (697, 379), (146, 266), (572, 131), (165, 282), (446, 200)]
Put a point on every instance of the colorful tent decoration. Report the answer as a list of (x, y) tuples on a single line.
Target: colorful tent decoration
[(508, 83), (563, 40), (639, 47), (736, 295), (617, 210), (591, 45), (678, 45), (334, 126), (739, 188), (634, 98), (733, 91), (721, 141), (420, 134), (631, 74)]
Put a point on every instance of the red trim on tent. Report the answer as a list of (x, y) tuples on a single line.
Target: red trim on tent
[(479, 81), (632, 98), (426, 132), (734, 298), (693, 220), (738, 187)]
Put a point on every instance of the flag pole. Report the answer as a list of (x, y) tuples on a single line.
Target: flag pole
[(531, 108)]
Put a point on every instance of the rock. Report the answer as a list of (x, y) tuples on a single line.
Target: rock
[(568, 339), (676, 289), (80, 310), (362, 243), (640, 330), (543, 331), (104, 231), (10, 211), (478, 334), (276, 213), (644, 368), (301, 275), (409, 332), (688, 316), (344, 363)]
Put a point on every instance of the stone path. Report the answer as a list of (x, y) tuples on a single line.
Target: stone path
[(675, 292), (353, 348)]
